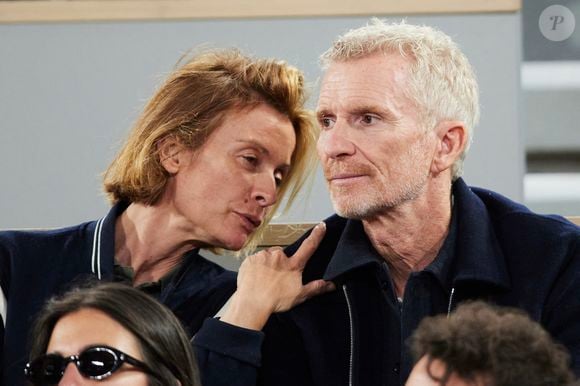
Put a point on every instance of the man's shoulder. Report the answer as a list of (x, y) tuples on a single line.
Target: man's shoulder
[(535, 247), (334, 228), (510, 217), (317, 264)]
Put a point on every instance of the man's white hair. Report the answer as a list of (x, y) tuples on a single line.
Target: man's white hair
[(442, 83)]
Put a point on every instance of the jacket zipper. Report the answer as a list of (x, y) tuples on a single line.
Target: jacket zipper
[(450, 305), (351, 357)]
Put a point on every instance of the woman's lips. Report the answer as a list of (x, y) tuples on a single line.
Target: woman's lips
[(250, 222)]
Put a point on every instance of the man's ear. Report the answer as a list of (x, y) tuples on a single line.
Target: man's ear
[(170, 152), (452, 139)]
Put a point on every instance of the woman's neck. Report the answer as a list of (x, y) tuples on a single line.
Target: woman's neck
[(150, 241)]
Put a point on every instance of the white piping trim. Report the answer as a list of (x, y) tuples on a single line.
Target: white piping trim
[(99, 252), (3, 306), (96, 254)]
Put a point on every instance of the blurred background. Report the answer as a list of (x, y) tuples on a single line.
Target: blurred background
[(550, 112), (75, 74)]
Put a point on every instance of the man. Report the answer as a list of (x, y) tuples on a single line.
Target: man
[(397, 108), (482, 345)]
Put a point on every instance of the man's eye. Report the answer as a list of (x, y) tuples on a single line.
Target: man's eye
[(369, 119), (326, 122)]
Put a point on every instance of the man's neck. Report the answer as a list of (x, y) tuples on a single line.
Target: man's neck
[(410, 235), (148, 240)]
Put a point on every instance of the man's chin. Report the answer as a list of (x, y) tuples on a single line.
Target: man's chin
[(348, 210)]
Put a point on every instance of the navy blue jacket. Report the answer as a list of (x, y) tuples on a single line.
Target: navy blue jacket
[(35, 266), (496, 250)]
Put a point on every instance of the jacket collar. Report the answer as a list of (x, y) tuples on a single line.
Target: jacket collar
[(471, 252), (478, 254), (353, 250), (103, 248)]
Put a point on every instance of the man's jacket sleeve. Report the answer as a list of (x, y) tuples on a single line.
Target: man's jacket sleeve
[(285, 361), (227, 354)]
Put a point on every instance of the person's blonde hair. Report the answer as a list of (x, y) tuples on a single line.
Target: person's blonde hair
[(193, 102), (442, 82)]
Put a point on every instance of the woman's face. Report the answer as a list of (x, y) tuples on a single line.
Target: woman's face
[(89, 327), (219, 194)]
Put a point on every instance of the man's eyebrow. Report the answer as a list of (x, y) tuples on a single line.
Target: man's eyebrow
[(322, 113), (386, 113)]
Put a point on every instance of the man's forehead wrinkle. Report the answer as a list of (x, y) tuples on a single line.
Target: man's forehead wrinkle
[(391, 70), (375, 86), (354, 99), (363, 90)]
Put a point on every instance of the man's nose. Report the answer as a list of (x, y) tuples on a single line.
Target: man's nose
[(335, 142)]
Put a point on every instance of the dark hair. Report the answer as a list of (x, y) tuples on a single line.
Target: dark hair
[(502, 344), (162, 340)]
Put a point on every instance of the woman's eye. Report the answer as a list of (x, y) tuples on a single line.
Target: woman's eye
[(250, 159), (278, 179)]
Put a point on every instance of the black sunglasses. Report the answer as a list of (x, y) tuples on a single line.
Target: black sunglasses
[(95, 362)]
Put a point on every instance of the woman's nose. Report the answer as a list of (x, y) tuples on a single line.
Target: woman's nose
[(265, 190)]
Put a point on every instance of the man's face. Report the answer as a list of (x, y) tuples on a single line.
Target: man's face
[(375, 153)]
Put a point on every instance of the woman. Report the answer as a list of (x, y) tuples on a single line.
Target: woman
[(112, 334), (218, 145)]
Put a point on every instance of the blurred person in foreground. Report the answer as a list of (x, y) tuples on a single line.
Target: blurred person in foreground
[(109, 334), (483, 345)]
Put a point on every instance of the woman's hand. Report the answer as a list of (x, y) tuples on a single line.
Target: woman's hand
[(269, 281)]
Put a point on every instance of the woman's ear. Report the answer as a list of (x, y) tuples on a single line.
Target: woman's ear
[(170, 154), (452, 139)]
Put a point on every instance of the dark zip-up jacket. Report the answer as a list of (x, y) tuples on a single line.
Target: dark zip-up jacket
[(35, 266), (496, 250)]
